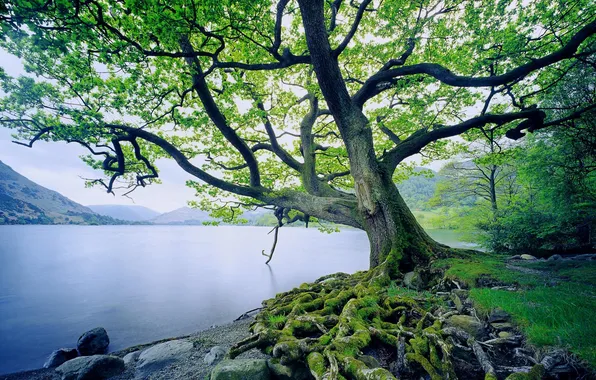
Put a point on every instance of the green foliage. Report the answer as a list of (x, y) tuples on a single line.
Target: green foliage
[(97, 67), (418, 187), (533, 196)]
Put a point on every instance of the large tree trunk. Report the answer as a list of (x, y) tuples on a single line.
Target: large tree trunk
[(392, 229)]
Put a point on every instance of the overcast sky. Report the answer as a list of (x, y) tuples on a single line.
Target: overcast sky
[(58, 167)]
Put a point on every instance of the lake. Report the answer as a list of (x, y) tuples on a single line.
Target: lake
[(144, 283)]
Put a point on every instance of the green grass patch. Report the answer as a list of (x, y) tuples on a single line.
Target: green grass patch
[(397, 291), (277, 321), (563, 316), (553, 307)]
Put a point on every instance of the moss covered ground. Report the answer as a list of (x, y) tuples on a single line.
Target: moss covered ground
[(554, 302), (370, 325)]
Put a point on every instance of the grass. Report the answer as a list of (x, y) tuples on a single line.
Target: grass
[(556, 307), (277, 321)]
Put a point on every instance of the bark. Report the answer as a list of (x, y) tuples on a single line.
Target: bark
[(392, 229)]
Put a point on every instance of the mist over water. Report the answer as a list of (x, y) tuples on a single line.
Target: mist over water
[(144, 283)]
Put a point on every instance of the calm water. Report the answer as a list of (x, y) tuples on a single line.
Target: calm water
[(144, 283)]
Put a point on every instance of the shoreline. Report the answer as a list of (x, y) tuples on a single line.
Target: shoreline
[(224, 336)]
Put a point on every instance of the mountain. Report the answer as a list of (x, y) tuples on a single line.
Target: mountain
[(183, 215), (24, 202), (124, 212), (419, 188)]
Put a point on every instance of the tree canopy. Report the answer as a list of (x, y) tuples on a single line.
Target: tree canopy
[(308, 105)]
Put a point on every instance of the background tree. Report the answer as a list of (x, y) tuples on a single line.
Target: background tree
[(545, 193), (307, 106)]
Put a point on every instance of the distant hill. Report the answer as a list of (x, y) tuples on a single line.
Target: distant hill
[(124, 212), (418, 189), (24, 202), (183, 215)]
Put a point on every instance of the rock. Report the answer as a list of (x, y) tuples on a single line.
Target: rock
[(241, 369), (131, 357), (505, 334), (457, 302), (467, 323), (161, 355), (60, 356), (514, 257), (96, 367), (412, 280), (93, 342), (498, 315), (554, 258), (502, 326), (215, 355), (527, 257), (284, 372), (585, 256)]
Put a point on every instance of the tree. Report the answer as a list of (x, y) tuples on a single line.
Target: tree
[(543, 195), (307, 106)]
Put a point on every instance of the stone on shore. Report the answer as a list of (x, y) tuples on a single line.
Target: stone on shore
[(96, 367), (527, 257), (60, 356), (131, 357), (161, 355), (241, 369), (93, 342), (215, 355)]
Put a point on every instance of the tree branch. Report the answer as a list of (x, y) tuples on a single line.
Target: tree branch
[(359, 14), (374, 85), (421, 138), (202, 89)]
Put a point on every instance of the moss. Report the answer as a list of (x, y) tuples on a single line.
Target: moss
[(420, 345), (316, 363), (425, 364)]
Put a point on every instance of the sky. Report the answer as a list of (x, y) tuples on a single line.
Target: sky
[(57, 166)]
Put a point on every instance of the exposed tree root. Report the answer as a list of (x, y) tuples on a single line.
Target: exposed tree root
[(334, 325)]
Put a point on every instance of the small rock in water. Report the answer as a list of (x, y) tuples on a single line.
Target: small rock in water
[(96, 367), (60, 356), (555, 257), (527, 257), (93, 342), (239, 369), (131, 357), (216, 354)]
